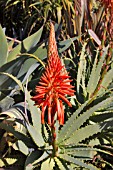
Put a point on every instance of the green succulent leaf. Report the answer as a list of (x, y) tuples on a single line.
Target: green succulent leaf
[(82, 152), (26, 45), (27, 68), (59, 163), (81, 67), (73, 160), (39, 51), (41, 159), (19, 145), (35, 112), (48, 164), (108, 78), (82, 134), (15, 79), (75, 122), (19, 135), (3, 48), (36, 135), (7, 83), (31, 158), (96, 73), (7, 161), (30, 71), (64, 129), (13, 115), (6, 103), (46, 133), (64, 45)]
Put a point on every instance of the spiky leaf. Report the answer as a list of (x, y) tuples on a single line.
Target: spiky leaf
[(36, 136), (82, 152), (3, 48), (26, 45), (7, 161), (75, 122), (17, 134), (14, 78), (80, 73), (31, 158), (48, 164), (59, 164), (35, 112), (19, 145), (96, 73), (77, 162)]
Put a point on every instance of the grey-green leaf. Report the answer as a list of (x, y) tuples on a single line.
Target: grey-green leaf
[(35, 113), (82, 134), (32, 157), (36, 135), (48, 164), (96, 73), (63, 45), (3, 48), (75, 122), (26, 45), (77, 162), (19, 145), (59, 164), (80, 73)]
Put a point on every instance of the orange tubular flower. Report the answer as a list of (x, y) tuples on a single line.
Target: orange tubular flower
[(54, 85)]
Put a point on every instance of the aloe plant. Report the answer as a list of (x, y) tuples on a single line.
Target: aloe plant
[(82, 139), (88, 126)]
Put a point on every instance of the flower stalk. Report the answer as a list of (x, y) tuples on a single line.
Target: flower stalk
[(54, 144)]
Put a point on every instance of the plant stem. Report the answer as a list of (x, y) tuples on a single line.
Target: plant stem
[(55, 148)]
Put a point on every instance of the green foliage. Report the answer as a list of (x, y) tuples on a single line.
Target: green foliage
[(3, 48), (74, 16), (86, 139), (26, 45)]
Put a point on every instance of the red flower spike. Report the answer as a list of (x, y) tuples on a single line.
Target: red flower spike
[(109, 8), (54, 85), (108, 3)]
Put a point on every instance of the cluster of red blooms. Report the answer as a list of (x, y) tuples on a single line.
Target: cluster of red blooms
[(108, 3), (54, 85)]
